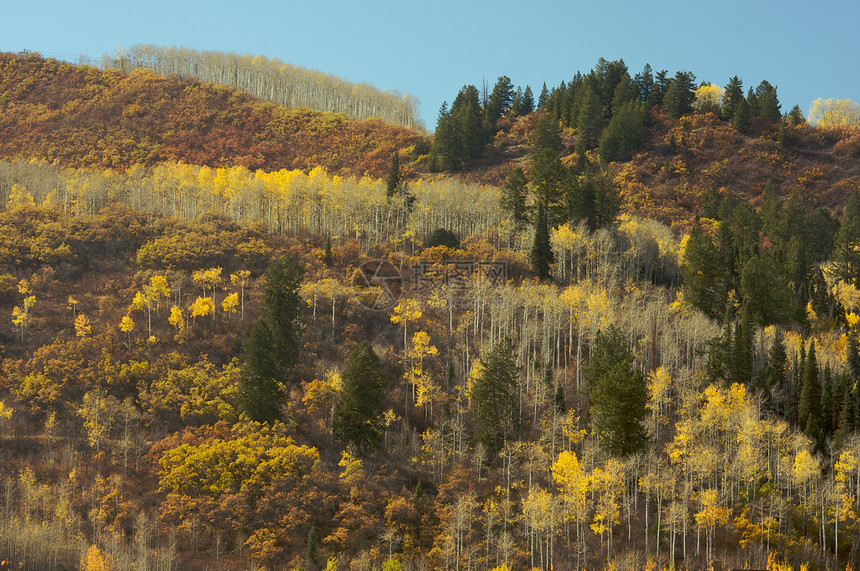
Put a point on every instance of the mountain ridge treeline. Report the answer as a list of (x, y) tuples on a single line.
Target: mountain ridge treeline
[(84, 117), (272, 80)]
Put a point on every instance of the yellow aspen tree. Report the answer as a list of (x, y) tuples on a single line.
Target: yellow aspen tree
[(95, 560), (574, 484), (844, 499), (73, 305), (127, 326), (658, 383), (711, 515), (177, 318), (407, 310), (201, 307), (609, 485), (83, 328), (423, 383), (241, 278), (158, 287), (539, 513), (834, 113), (230, 303)]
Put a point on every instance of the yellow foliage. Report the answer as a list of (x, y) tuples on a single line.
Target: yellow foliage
[(82, 326), (176, 319), (127, 324), (708, 96), (202, 307), (95, 560), (834, 113), (230, 303)]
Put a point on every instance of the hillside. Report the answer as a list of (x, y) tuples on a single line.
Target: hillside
[(270, 79), (223, 347), (83, 117), (667, 182)]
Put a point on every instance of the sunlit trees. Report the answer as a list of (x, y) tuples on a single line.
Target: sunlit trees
[(834, 113)]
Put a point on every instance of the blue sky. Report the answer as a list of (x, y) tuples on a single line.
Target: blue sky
[(431, 49)]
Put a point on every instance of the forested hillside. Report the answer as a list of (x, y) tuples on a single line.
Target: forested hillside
[(83, 117), (271, 80), (640, 354)]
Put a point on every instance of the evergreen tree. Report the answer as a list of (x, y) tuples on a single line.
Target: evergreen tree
[(741, 362), (733, 94), (541, 256), (795, 116), (766, 291), (752, 102), (606, 77), (327, 259), (661, 85), (495, 398), (590, 120), (775, 379), (445, 148), (617, 396), (644, 81), (809, 406), (527, 103), (392, 183), (680, 95), (281, 307), (544, 95), (547, 135), (624, 133), (514, 195), (500, 101), (357, 415), (260, 394), (705, 274), (742, 116), (847, 242), (768, 105)]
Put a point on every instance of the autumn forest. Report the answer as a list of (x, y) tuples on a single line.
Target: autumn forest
[(255, 317)]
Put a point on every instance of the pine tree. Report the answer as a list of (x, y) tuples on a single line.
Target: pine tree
[(809, 406), (617, 395), (644, 82), (527, 102), (624, 133), (589, 121), (513, 199), (541, 256), (281, 307), (733, 94), (392, 183), (742, 116), (495, 398), (705, 274), (500, 101), (775, 379), (547, 135), (847, 243), (261, 381), (768, 105), (542, 98), (795, 116), (357, 415)]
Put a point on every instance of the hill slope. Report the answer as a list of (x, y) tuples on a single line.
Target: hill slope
[(681, 160), (84, 117)]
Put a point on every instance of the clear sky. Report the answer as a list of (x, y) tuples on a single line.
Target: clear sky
[(429, 49)]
